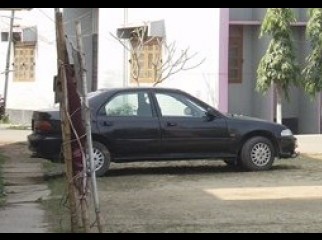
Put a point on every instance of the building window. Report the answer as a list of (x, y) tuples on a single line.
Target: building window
[(4, 37), (149, 61), (235, 68), (24, 62)]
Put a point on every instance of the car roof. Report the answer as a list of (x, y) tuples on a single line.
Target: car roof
[(135, 89)]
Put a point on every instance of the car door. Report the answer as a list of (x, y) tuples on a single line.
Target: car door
[(186, 129), (130, 125)]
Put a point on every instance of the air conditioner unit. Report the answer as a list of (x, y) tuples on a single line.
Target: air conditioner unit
[(154, 29), (26, 34), (30, 34), (17, 36)]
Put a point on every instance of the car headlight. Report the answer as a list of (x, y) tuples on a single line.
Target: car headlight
[(286, 133)]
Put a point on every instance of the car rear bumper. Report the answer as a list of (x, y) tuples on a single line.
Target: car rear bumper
[(288, 147), (48, 147)]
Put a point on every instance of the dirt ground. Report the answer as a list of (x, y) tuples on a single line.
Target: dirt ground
[(205, 196)]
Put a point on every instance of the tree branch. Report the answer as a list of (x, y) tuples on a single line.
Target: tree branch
[(162, 69)]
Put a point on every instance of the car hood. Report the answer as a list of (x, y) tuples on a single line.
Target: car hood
[(255, 121), (243, 117)]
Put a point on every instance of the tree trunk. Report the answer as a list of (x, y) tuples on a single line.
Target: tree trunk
[(279, 94)]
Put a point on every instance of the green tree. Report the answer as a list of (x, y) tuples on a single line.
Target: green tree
[(312, 73), (278, 67)]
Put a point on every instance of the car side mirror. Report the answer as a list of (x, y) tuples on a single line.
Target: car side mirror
[(210, 114)]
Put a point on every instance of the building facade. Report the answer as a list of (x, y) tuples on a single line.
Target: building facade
[(32, 63), (188, 28), (245, 50), (226, 38)]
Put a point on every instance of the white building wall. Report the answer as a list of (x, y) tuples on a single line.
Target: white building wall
[(38, 94), (196, 28)]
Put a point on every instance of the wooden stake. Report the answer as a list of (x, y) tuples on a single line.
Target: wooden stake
[(66, 130)]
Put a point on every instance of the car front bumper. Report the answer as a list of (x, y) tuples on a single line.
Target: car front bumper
[(43, 146), (288, 147)]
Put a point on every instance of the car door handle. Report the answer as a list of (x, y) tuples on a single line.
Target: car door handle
[(107, 124), (171, 124)]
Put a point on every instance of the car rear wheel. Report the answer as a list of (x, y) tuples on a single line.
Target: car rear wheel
[(257, 154), (102, 158)]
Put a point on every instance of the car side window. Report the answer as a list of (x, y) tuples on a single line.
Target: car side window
[(175, 105), (129, 104)]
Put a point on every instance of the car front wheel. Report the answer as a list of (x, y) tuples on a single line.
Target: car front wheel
[(102, 159), (257, 154)]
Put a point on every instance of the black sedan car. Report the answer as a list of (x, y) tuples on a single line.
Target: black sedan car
[(151, 124)]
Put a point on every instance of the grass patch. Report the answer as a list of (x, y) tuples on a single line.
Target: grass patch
[(53, 170), (5, 120), (56, 206), (2, 195)]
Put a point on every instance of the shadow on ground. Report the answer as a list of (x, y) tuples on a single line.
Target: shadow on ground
[(179, 168)]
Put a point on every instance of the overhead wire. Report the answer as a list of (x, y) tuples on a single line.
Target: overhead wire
[(45, 14)]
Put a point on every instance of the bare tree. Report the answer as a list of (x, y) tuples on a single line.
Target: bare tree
[(167, 61)]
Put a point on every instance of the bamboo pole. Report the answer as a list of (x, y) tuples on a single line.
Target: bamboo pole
[(87, 112)]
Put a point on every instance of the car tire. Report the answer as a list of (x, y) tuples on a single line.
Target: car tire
[(102, 158), (257, 154)]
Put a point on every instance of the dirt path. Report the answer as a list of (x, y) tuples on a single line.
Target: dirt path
[(207, 197), (24, 186)]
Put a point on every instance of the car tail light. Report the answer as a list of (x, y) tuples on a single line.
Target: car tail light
[(43, 126)]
